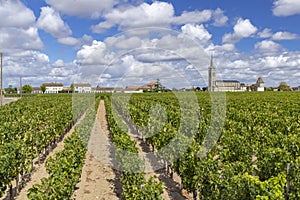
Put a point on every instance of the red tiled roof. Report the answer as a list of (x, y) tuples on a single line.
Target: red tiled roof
[(151, 83), (145, 87)]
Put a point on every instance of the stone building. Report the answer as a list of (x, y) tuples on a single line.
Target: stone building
[(221, 85)]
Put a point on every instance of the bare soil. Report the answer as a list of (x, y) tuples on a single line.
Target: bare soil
[(99, 179)]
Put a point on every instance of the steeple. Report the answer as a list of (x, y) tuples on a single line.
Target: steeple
[(211, 75), (212, 61)]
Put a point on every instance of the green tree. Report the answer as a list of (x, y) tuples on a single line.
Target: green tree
[(10, 90), (157, 86), (269, 89), (26, 89), (72, 87), (43, 88), (283, 86)]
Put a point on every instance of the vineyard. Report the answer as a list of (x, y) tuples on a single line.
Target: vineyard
[(30, 128), (245, 146), (256, 157)]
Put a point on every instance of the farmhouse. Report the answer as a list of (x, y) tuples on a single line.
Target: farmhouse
[(53, 88), (82, 88), (133, 89), (36, 90), (107, 89), (151, 86)]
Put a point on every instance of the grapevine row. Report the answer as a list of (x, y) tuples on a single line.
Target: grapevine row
[(257, 155), (65, 167), (134, 183), (29, 129)]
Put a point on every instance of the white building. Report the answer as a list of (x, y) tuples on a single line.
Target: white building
[(227, 86), (107, 90), (53, 88), (260, 85), (133, 89), (82, 88), (36, 90)]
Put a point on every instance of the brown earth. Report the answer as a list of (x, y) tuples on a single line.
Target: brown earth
[(98, 178)]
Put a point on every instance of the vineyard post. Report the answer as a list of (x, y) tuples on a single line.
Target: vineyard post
[(288, 184)]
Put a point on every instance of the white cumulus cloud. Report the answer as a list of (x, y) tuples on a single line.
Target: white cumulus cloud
[(267, 47), (13, 39), (197, 32), (219, 17), (17, 28), (284, 36), (15, 14), (266, 33), (93, 54), (51, 22), (71, 41), (242, 29), (286, 7), (82, 8), (77, 42), (193, 17), (156, 14)]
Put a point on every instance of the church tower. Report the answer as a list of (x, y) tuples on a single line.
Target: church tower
[(211, 76)]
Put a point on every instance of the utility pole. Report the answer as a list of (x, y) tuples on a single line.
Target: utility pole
[(1, 97), (21, 86)]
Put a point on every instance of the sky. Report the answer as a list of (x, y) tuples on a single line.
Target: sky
[(118, 43)]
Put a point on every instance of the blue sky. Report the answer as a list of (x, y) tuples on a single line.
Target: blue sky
[(122, 42)]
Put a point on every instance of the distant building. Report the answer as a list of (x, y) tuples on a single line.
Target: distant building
[(227, 86), (295, 88), (260, 85), (67, 90), (82, 88), (221, 85), (53, 88), (107, 90), (211, 76), (154, 86), (36, 90), (230, 85), (134, 89)]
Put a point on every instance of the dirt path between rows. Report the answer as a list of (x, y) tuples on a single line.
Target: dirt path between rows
[(40, 170), (154, 168), (172, 189), (98, 179)]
